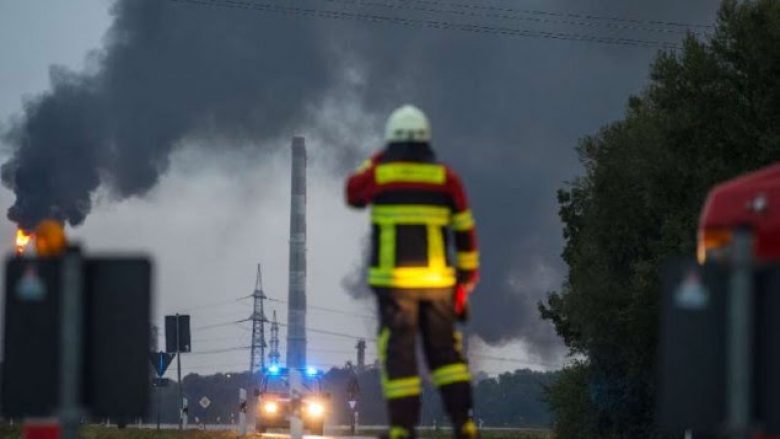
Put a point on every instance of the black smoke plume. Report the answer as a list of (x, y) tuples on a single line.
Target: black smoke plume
[(506, 111)]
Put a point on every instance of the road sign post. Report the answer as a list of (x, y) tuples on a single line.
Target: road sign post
[(242, 411), (740, 338), (177, 340), (204, 402), (160, 361), (353, 391), (185, 412), (353, 422), (72, 342)]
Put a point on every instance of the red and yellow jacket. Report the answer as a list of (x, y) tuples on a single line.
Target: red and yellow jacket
[(418, 207)]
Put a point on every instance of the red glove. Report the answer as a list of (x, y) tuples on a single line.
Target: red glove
[(466, 283), (461, 303)]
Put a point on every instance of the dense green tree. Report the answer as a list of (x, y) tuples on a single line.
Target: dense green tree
[(710, 112)]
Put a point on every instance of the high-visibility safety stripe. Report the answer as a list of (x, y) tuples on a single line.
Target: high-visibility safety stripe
[(387, 246), (410, 214), (463, 221), (394, 388), (381, 345), (410, 173), (402, 388), (452, 373), (458, 336), (411, 277), (467, 260), (397, 432), (436, 257)]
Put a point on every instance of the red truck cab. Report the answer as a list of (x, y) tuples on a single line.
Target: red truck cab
[(752, 201)]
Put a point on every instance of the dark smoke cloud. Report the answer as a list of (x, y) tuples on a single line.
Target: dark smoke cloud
[(167, 71), (507, 113)]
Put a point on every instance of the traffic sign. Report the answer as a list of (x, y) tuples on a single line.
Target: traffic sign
[(205, 402), (160, 361), (352, 403)]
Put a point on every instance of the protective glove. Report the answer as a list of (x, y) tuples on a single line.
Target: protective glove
[(461, 303), (467, 281)]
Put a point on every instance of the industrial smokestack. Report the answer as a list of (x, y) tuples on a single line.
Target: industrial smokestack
[(296, 315)]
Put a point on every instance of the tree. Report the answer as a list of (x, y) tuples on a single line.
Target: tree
[(710, 112)]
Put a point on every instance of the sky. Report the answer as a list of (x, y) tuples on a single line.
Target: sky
[(196, 105)]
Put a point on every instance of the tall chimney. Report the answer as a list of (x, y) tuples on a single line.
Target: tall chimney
[(296, 315)]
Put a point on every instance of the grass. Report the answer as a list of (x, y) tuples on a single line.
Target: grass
[(94, 432)]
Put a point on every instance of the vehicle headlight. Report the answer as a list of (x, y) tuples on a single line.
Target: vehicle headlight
[(270, 408), (315, 409)]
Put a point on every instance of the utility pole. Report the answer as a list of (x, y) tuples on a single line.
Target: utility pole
[(71, 333), (274, 356), (257, 354), (178, 374)]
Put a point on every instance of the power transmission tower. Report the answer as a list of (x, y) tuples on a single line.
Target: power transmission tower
[(257, 354), (274, 356)]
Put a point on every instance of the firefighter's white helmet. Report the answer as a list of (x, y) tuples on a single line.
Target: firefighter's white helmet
[(408, 124)]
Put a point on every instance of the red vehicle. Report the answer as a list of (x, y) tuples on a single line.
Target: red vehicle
[(752, 201), (274, 406)]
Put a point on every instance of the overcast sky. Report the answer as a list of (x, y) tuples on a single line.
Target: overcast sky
[(216, 212)]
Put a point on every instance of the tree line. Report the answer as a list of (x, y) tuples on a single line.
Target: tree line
[(710, 112)]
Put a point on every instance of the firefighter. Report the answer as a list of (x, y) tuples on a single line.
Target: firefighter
[(424, 264)]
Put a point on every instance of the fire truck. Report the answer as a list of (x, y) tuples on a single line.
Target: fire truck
[(275, 407)]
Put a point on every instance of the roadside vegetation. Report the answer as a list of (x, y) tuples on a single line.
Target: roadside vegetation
[(709, 113)]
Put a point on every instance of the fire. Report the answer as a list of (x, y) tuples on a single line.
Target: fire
[(22, 239)]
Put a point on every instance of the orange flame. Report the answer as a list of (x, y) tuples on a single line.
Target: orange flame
[(22, 239)]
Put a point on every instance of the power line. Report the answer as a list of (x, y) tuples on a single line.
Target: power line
[(334, 333), (529, 15), (219, 325), (331, 310), (220, 351), (579, 15), (432, 24), (214, 304)]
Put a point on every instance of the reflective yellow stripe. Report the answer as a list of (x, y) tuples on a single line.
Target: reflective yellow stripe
[(436, 249), (410, 173), (381, 345), (398, 432), (467, 260), (396, 388), (453, 373), (402, 387), (458, 341), (410, 214), (411, 277), (386, 246), (462, 221)]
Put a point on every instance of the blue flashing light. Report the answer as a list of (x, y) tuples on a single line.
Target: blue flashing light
[(274, 369), (311, 371)]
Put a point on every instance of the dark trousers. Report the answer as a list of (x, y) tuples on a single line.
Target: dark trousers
[(402, 316)]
